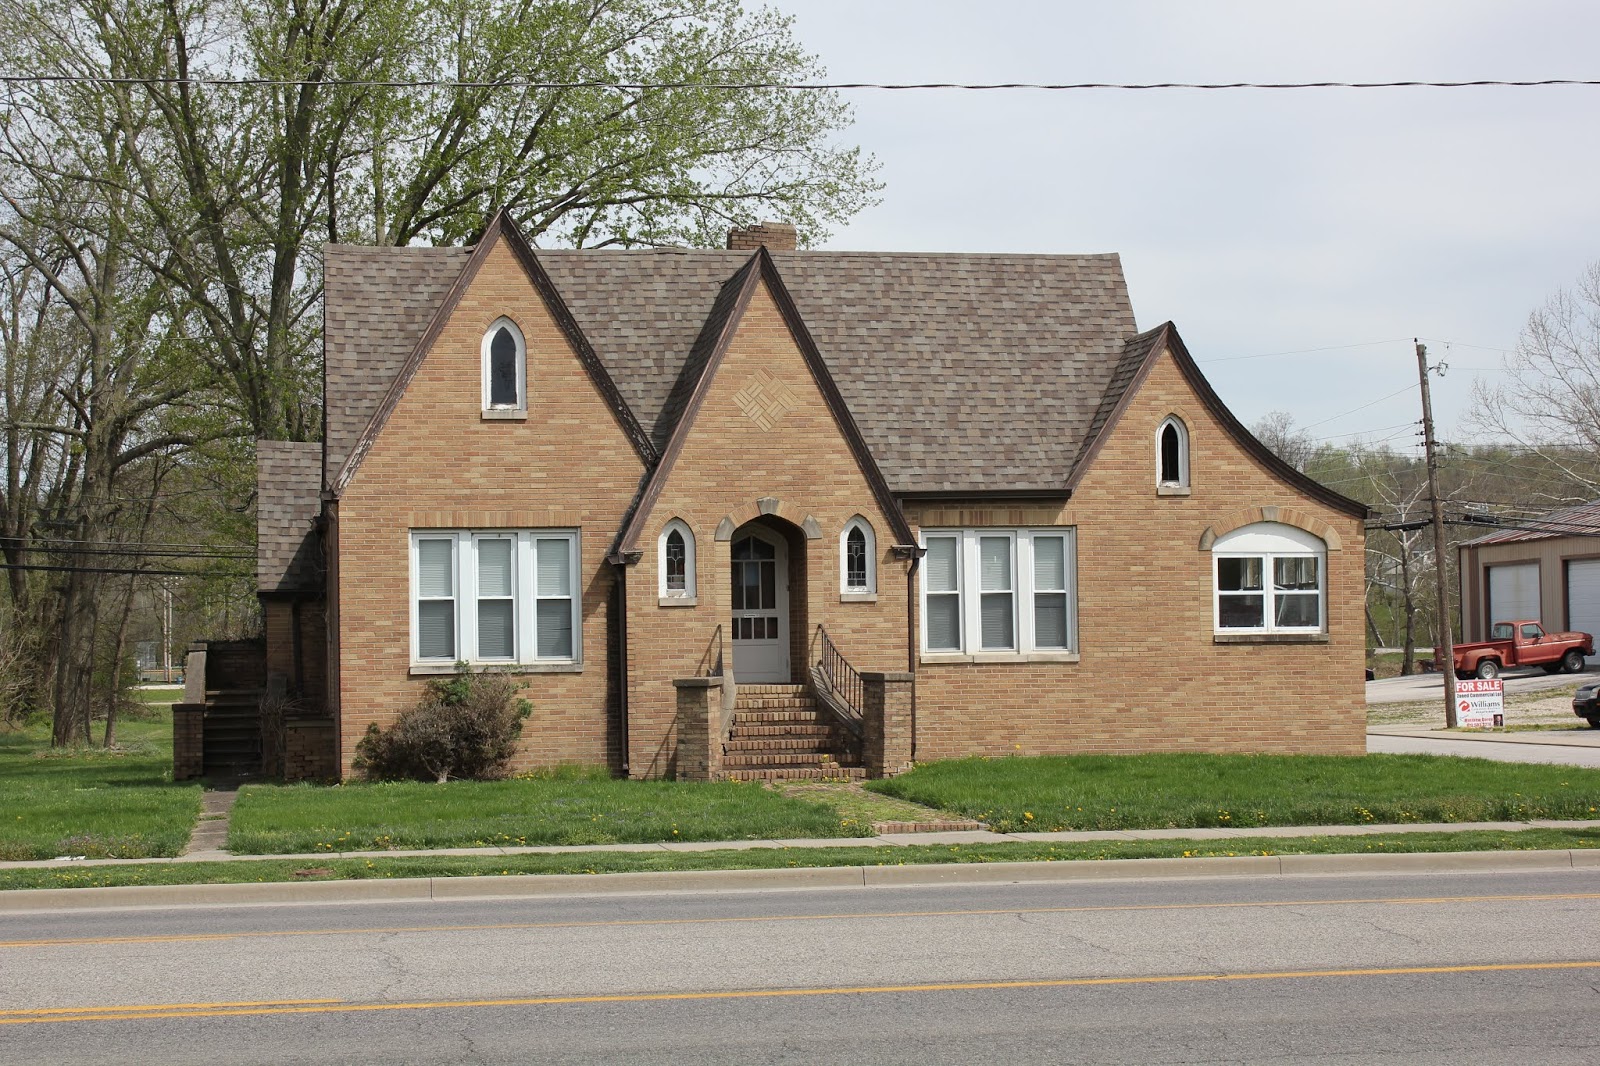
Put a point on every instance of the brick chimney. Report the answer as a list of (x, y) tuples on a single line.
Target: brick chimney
[(776, 236)]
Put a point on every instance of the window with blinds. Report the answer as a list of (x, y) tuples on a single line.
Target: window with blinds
[(503, 597), (993, 591)]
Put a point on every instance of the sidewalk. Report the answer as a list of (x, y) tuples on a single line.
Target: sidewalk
[(978, 836), (1579, 737)]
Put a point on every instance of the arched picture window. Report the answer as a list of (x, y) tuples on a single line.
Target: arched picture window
[(505, 368), (858, 558), (1269, 578), (676, 556), (1172, 454)]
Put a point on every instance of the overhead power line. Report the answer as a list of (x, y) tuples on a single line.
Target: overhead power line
[(800, 86)]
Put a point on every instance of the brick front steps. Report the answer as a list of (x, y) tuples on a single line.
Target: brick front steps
[(779, 733)]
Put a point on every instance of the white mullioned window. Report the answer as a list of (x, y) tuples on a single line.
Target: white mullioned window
[(675, 554), (505, 368), (858, 557), (1269, 578), (507, 597), (999, 590)]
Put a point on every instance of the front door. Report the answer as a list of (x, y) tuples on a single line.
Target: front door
[(760, 607)]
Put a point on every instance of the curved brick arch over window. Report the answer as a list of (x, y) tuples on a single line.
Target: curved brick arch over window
[(1288, 516)]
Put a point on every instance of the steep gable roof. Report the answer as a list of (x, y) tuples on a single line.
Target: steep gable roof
[(701, 368), (500, 230), (287, 506), (1138, 356)]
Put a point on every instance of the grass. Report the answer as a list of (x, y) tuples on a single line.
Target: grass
[(566, 806), (331, 869), (1051, 793), (860, 805), (93, 802)]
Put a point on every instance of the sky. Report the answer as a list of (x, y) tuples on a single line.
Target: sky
[(1298, 239)]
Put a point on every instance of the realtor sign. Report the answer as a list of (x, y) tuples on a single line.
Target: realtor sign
[(1481, 704)]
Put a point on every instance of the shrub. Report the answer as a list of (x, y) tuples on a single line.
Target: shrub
[(465, 726)]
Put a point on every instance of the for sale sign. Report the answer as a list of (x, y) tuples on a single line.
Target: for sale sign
[(1481, 704)]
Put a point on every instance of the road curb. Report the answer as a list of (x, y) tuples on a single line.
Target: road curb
[(423, 889)]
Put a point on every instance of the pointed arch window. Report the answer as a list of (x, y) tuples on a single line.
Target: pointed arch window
[(675, 555), (505, 370), (858, 559), (1172, 455)]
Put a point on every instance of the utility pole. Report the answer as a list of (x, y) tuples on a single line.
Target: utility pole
[(1444, 651)]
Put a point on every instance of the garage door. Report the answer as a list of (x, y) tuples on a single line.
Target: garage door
[(1583, 597), (1513, 593)]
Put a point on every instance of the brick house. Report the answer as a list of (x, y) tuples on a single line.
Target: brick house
[(764, 511)]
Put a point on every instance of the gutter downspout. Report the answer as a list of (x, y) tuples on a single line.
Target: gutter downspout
[(914, 552), (621, 568)]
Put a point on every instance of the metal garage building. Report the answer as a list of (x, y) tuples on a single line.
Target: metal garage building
[(1549, 571)]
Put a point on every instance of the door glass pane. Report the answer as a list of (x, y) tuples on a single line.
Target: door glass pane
[(1049, 563), (939, 566), (994, 562), (554, 623), (494, 568), (944, 622), (554, 566), (1049, 620), (995, 609), (436, 567), (495, 639), (436, 629), (769, 585)]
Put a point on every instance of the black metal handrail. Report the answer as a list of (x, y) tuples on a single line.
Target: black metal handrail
[(838, 685), (711, 662)]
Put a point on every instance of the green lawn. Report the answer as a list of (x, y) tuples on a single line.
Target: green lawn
[(332, 869), (569, 806), (91, 802), (1185, 791)]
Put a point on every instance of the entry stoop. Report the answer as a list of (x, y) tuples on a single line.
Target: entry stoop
[(781, 733)]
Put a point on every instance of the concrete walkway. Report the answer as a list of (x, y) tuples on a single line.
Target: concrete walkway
[(898, 840)]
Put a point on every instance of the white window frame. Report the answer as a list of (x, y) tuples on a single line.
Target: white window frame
[(524, 601), (521, 406), (870, 588), (970, 594), (1269, 542), (1182, 483), (685, 596)]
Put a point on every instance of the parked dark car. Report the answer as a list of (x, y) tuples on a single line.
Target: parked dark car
[(1586, 703)]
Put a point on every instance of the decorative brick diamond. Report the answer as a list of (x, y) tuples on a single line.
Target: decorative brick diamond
[(765, 400)]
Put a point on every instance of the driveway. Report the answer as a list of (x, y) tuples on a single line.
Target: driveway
[(1431, 686), (1565, 747)]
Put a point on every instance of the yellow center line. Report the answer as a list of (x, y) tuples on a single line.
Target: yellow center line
[(165, 1007), (623, 923), (85, 1014)]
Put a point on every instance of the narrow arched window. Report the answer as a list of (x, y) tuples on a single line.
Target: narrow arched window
[(505, 368), (676, 557), (1172, 454), (857, 558)]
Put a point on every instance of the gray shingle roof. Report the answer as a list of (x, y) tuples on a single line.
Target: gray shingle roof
[(1581, 520), (288, 499), (963, 371), (376, 305)]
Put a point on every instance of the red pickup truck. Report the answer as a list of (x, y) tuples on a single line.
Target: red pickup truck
[(1522, 643)]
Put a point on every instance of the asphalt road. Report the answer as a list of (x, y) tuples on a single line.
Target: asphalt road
[(1571, 754), (1442, 968), (1431, 686)]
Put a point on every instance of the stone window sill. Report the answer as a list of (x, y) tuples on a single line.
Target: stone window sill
[(442, 669), (1269, 638), (938, 658), (678, 601), (504, 414), (858, 597), (1172, 490)]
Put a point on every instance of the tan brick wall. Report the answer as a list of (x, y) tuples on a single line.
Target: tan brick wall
[(439, 464), (1150, 677), (728, 463)]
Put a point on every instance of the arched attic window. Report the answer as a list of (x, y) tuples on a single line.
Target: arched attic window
[(1172, 455), (858, 558), (675, 555), (505, 369)]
